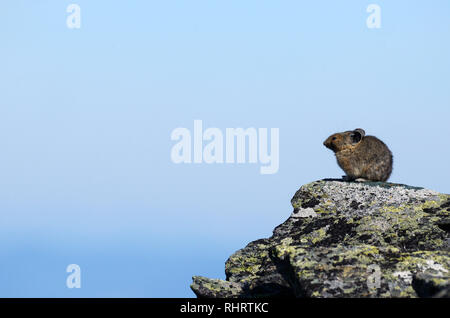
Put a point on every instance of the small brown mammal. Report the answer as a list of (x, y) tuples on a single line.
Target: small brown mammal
[(361, 157)]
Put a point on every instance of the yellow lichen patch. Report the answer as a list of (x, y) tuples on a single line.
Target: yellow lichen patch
[(429, 205), (424, 260), (318, 235), (370, 250), (285, 249), (393, 209)]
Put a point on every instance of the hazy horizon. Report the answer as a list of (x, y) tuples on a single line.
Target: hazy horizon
[(87, 114)]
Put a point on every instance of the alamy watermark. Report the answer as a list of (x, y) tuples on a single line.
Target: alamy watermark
[(236, 145), (74, 279), (374, 19), (73, 20), (374, 277)]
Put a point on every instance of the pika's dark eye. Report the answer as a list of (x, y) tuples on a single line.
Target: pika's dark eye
[(334, 138)]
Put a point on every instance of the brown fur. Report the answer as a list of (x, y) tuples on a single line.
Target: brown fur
[(360, 156)]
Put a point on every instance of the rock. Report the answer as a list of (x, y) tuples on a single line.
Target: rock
[(347, 239), (216, 288)]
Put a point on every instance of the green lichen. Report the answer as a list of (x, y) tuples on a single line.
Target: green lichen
[(358, 227)]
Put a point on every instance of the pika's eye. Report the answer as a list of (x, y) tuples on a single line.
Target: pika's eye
[(334, 138)]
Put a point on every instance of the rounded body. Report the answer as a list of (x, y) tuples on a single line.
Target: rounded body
[(360, 156)]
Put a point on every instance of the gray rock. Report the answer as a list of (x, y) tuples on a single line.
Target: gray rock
[(347, 239)]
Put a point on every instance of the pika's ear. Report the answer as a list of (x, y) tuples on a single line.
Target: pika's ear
[(357, 135)]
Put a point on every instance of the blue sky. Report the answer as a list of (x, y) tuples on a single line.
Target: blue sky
[(86, 116)]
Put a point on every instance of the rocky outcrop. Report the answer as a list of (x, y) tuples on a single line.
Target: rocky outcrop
[(347, 239)]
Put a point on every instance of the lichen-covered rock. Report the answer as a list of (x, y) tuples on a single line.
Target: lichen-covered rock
[(216, 288), (347, 239)]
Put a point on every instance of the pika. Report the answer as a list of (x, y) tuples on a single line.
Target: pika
[(361, 157)]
